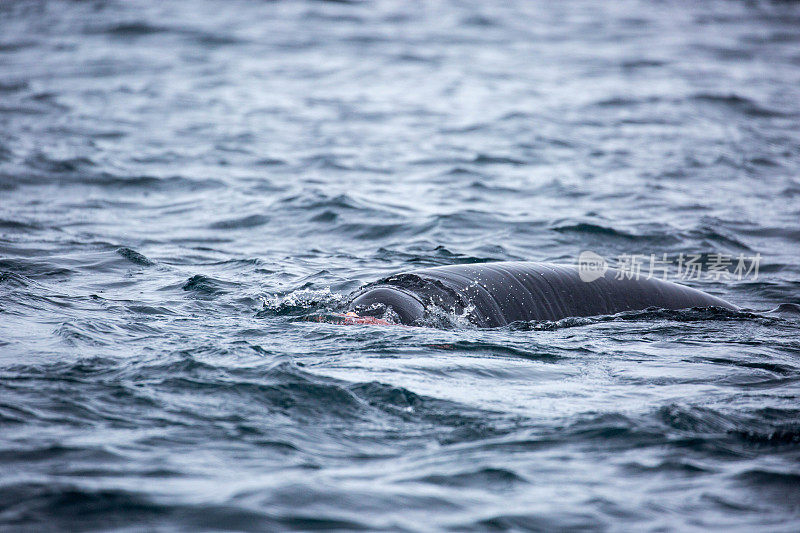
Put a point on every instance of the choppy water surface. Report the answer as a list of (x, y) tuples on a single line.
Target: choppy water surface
[(183, 185)]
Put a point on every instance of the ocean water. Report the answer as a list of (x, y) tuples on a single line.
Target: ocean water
[(186, 187)]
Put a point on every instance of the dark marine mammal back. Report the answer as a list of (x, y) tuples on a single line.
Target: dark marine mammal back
[(495, 294)]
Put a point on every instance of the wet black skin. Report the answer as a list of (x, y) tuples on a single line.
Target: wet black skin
[(496, 294)]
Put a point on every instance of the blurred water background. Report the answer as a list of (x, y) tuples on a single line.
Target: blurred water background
[(182, 184)]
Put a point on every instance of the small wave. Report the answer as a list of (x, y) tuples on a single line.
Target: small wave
[(633, 64), (695, 419), (495, 349), (487, 159), (480, 21), (12, 86), (315, 201), (19, 226), (680, 467), (270, 162), (150, 310), (556, 521), (83, 334), (484, 478), (5, 155), (786, 482), (333, 162), (134, 257), (141, 29), (626, 101), (204, 285), (39, 169), (79, 171), (13, 280), (40, 161), (714, 235), (299, 301), (171, 183), (610, 427), (461, 171), (787, 309), (771, 367), (250, 221), (35, 269), (16, 46), (740, 104), (72, 506), (770, 437), (593, 229), (450, 422), (134, 29), (418, 254)]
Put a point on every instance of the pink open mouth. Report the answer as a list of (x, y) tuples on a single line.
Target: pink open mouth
[(349, 319), (352, 318)]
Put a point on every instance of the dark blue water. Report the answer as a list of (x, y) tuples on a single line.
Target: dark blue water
[(183, 186)]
